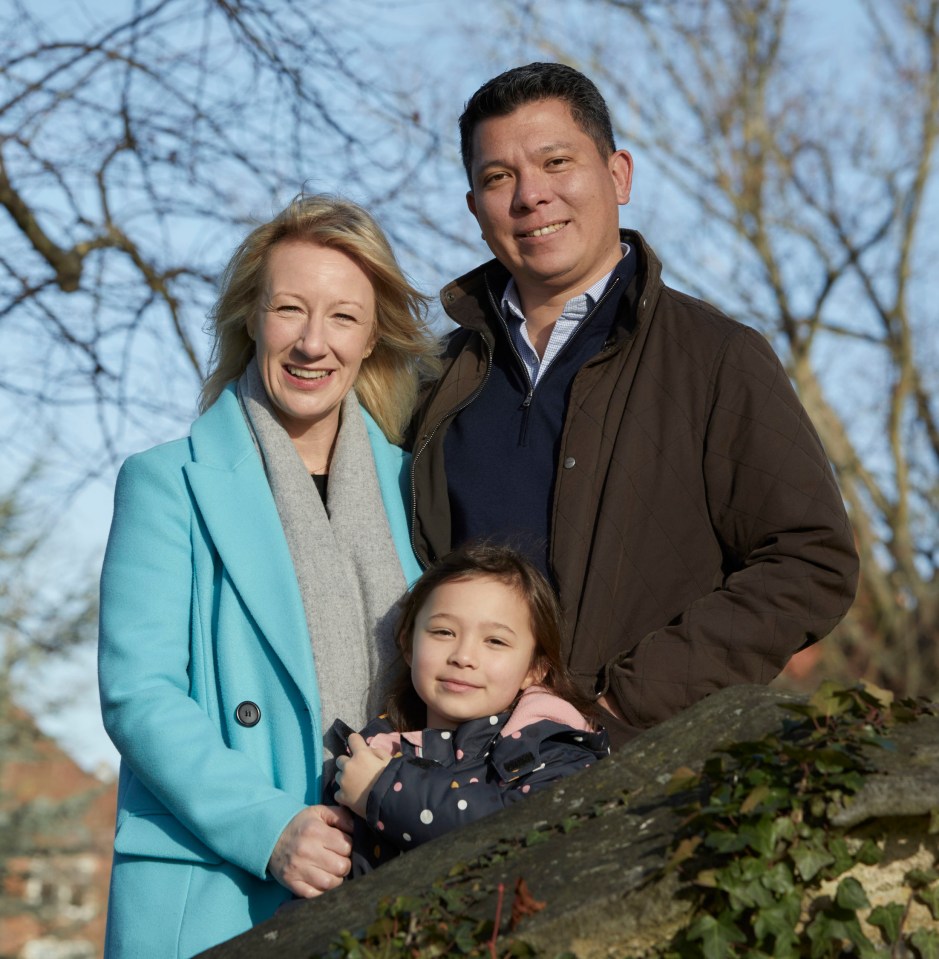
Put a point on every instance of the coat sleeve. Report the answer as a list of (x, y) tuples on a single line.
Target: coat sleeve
[(789, 557), (416, 800), (219, 794)]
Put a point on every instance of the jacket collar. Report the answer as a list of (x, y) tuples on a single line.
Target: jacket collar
[(236, 504), (472, 740), (468, 299)]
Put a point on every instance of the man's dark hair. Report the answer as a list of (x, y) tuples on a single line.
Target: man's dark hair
[(505, 93)]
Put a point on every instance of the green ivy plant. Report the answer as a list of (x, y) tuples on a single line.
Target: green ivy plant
[(756, 846), (445, 921), (432, 925), (758, 840)]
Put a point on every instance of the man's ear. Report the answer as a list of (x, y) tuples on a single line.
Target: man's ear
[(471, 202), (621, 169)]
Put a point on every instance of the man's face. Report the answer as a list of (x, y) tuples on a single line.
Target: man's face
[(546, 200)]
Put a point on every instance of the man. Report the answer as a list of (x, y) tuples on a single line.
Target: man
[(647, 450)]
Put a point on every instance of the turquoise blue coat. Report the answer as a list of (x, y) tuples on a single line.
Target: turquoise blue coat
[(201, 611)]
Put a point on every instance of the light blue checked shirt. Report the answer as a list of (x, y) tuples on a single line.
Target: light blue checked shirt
[(575, 309)]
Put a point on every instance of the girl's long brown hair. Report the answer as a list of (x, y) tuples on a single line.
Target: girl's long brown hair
[(405, 709)]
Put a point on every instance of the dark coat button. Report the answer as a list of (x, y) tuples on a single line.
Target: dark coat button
[(248, 714)]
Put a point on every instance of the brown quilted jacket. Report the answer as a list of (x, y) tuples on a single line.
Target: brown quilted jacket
[(698, 535)]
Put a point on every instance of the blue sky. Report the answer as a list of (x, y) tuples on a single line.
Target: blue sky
[(431, 35)]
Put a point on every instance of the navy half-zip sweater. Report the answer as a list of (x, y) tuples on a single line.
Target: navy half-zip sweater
[(508, 437)]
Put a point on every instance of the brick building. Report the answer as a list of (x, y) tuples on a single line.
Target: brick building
[(57, 856)]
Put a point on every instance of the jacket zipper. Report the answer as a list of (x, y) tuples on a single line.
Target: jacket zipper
[(529, 395), (526, 403)]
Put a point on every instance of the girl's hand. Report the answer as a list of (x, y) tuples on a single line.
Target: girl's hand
[(358, 773), (313, 852)]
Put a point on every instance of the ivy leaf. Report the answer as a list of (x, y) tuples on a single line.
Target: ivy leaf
[(784, 828), (521, 950), (464, 937), (716, 935), (683, 778), (755, 798), (684, 850), (905, 711), (876, 694), (849, 782), (835, 926), (832, 760), (827, 700), (920, 878), (714, 767), (843, 858), (760, 836), (535, 836), (926, 942), (726, 841), (930, 898), (888, 919), (707, 878), (851, 895), (810, 859), (779, 879), (742, 882), (779, 922), (870, 854)]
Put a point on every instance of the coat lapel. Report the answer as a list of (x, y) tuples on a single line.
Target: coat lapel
[(236, 504)]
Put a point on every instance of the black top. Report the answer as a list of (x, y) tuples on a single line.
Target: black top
[(460, 776), (320, 482)]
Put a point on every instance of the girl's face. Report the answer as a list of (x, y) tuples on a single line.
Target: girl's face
[(473, 650)]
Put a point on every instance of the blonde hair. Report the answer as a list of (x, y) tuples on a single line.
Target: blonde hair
[(405, 350)]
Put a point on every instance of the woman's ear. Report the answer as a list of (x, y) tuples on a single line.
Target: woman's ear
[(372, 343)]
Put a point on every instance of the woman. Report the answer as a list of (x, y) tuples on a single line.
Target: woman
[(245, 605)]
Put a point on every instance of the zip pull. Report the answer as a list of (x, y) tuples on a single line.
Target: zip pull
[(527, 401)]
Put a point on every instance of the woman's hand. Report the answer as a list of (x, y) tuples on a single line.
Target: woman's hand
[(313, 852), (358, 773)]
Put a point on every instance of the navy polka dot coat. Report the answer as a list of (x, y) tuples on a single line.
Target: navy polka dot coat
[(441, 779)]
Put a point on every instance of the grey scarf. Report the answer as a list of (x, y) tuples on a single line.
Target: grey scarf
[(348, 570)]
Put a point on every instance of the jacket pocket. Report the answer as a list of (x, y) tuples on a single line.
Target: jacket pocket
[(161, 836)]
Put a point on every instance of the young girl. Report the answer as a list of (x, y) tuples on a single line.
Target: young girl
[(484, 714)]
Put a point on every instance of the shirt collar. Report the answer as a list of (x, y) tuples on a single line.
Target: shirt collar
[(577, 307)]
